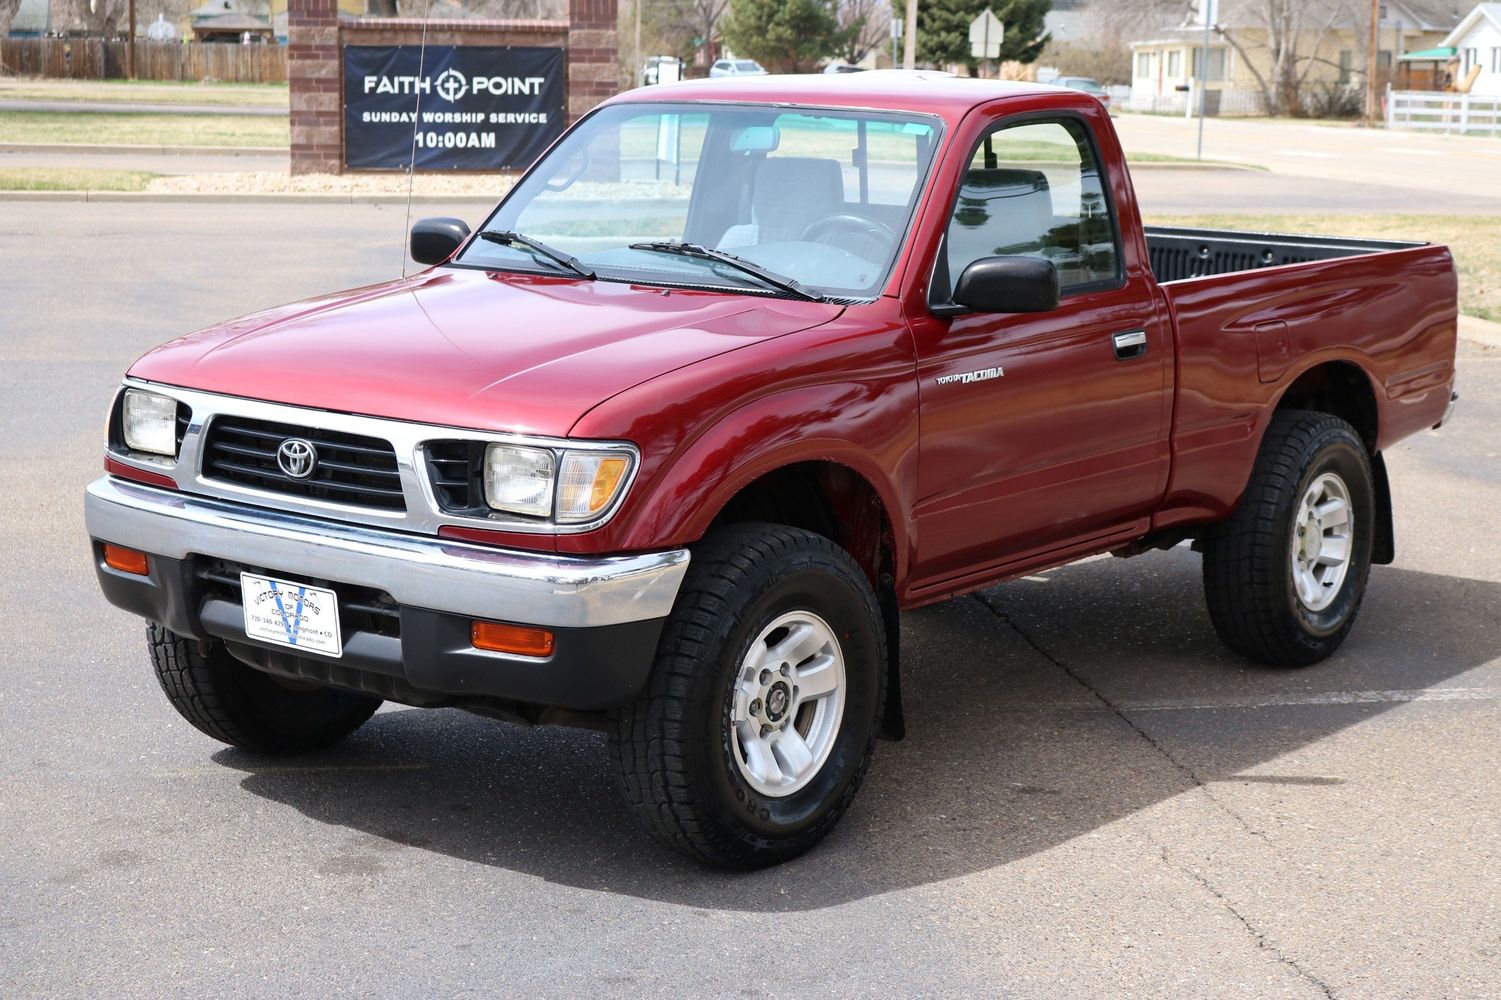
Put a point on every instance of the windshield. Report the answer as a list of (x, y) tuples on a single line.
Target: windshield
[(821, 198)]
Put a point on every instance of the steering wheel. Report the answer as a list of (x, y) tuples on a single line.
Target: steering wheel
[(858, 225)]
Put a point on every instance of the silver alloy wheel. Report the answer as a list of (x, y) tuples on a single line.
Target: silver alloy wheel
[(787, 703), (1323, 541)]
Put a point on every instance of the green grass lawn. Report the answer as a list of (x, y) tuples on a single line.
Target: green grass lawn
[(143, 130), (34, 179), (1475, 241), (146, 91)]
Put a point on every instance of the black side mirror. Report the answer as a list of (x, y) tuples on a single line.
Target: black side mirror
[(1009, 285), (435, 240)]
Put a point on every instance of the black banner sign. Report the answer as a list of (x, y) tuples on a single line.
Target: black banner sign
[(472, 107)]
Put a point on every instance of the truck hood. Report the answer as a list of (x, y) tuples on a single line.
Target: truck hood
[(468, 348)]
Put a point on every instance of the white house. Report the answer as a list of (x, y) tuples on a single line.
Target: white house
[(1477, 42)]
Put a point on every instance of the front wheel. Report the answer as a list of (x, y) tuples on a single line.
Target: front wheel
[(239, 705), (1285, 574), (760, 715)]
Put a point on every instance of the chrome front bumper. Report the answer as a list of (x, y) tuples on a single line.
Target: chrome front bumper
[(417, 571)]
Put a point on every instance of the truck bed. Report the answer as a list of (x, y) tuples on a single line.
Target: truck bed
[(1246, 329), (1180, 253)]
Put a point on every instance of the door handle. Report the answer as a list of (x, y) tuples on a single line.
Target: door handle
[(1130, 344)]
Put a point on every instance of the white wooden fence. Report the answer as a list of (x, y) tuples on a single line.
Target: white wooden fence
[(1430, 112), (1231, 101)]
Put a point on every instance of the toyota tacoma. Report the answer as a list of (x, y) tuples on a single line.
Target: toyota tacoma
[(735, 374)]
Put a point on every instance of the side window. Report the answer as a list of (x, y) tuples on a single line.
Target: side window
[(1035, 190)]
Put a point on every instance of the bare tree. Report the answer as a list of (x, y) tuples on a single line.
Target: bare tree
[(865, 24), (96, 18), (1102, 49), (1295, 31), (8, 10), (684, 26), (706, 15)]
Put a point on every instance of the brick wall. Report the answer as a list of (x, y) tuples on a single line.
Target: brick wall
[(592, 52), (314, 64), (313, 79)]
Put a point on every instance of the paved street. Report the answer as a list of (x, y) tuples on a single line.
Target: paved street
[(1174, 191), (1094, 799), (1424, 163)]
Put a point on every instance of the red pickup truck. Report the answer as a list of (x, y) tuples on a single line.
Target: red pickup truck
[(738, 371)]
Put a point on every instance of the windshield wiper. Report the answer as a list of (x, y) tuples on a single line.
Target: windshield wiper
[(738, 263), (507, 238)]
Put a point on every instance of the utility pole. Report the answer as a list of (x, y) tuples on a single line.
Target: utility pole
[(130, 40), (1208, 11), (1370, 68), (909, 44)]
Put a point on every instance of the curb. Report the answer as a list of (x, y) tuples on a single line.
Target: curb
[(1135, 167), (245, 198), (1480, 331), (85, 149)]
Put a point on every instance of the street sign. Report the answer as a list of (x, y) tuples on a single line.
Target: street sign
[(985, 33)]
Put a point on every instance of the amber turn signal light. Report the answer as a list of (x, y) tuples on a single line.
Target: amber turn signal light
[(125, 560), (515, 639)]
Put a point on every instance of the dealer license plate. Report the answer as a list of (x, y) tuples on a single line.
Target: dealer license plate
[(291, 614)]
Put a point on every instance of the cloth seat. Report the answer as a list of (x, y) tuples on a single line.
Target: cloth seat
[(790, 193)]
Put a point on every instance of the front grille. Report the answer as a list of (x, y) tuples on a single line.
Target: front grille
[(351, 469), (455, 470), (361, 609)]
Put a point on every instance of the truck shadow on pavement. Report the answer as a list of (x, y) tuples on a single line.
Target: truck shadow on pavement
[(1037, 712)]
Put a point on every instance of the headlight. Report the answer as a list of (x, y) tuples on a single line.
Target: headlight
[(149, 422), (519, 480), (571, 486)]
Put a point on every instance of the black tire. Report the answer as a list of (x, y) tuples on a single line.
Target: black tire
[(239, 705), (672, 747), (1248, 558)]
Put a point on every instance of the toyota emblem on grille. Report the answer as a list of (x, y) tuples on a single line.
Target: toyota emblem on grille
[(297, 458)]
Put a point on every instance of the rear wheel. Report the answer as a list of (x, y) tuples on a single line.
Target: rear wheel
[(241, 706), (1285, 574), (760, 715)]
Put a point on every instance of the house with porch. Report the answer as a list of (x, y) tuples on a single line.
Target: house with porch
[(1476, 45), (1324, 41)]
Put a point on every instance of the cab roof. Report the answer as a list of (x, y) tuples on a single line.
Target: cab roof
[(942, 94)]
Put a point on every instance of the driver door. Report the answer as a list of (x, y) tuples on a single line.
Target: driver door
[(1040, 430)]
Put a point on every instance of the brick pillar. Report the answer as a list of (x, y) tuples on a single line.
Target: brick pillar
[(593, 70), (313, 84)]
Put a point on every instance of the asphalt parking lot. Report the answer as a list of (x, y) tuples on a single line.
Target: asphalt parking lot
[(1094, 797)]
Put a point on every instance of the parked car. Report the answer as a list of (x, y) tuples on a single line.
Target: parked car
[(843, 67), (736, 67), (661, 69), (680, 485), (1087, 85)]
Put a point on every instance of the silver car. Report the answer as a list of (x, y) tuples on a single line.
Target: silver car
[(737, 67)]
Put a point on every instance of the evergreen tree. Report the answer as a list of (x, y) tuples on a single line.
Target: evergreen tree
[(785, 36), (943, 29)]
